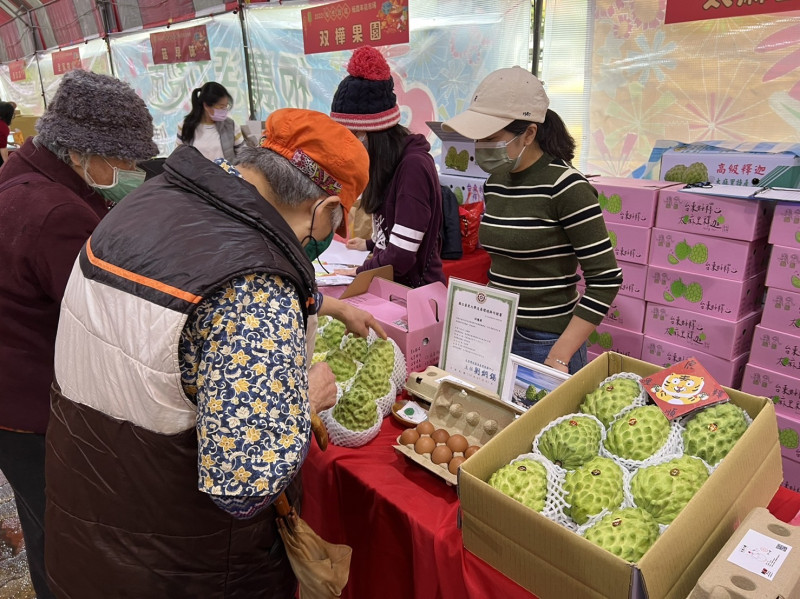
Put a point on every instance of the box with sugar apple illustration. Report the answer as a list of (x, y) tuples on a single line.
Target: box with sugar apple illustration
[(728, 371), (629, 201), (458, 153), (782, 389), (776, 350), (785, 230), (695, 163), (554, 562), (783, 270)]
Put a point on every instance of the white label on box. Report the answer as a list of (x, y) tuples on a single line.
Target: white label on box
[(456, 380), (760, 554)]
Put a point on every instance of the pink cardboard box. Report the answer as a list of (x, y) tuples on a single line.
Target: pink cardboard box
[(631, 244), (730, 218), (776, 350), (634, 279), (729, 300), (788, 434), (782, 310), (785, 229), (783, 271), (629, 201), (701, 332), (414, 318), (625, 312), (783, 390), (700, 254), (663, 353), (610, 338)]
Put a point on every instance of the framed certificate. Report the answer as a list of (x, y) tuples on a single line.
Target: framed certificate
[(478, 331)]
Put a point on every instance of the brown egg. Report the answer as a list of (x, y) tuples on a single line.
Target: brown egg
[(424, 445), (441, 455), (455, 463), (425, 428), (471, 449), (458, 443), (440, 435), (409, 437)]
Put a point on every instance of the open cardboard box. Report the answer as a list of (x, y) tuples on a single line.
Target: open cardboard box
[(413, 318), (556, 563)]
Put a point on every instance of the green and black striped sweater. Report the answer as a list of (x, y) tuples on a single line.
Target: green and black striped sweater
[(540, 225)]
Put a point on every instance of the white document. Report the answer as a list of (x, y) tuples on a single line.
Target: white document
[(338, 254), (760, 554)]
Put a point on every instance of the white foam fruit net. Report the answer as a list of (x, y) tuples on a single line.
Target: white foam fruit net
[(554, 501), (568, 522)]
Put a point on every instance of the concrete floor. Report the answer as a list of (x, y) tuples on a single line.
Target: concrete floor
[(14, 580)]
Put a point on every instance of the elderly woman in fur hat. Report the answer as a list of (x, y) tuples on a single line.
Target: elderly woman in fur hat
[(53, 193)]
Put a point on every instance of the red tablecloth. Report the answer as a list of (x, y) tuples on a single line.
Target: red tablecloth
[(472, 267), (401, 522)]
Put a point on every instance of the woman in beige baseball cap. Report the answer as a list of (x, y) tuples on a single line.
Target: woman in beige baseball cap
[(542, 219)]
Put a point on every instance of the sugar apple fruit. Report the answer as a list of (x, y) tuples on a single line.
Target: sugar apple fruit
[(595, 486), (789, 438), (638, 433), (711, 433), (523, 480), (571, 442), (610, 399), (355, 347), (374, 379), (356, 410), (627, 533), (342, 365), (532, 394), (381, 352), (665, 489), (677, 173)]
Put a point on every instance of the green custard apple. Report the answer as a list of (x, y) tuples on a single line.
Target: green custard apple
[(614, 204), (694, 293), (682, 250), (676, 173), (638, 434), (375, 379), (525, 481), (356, 410), (627, 533), (342, 365), (381, 352), (696, 173), (532, 394), (789, 438), (571, 442), (699, 253), (355, 347), (610, 399), (711, 433), (595, 486), (665, 489), (333, 331)]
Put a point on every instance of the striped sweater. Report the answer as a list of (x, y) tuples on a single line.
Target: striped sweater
[(540, 225)]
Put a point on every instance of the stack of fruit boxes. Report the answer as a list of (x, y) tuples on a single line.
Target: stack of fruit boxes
[(774, 367), (629, 211), (706, 272)]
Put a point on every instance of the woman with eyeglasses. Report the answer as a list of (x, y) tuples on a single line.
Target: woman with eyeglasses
[(208, 127), (542, 219)]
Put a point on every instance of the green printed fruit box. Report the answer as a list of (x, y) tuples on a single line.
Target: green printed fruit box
[(789, 437), (782, 310), (781, 389), (607, 337), (701, 254), (726, 371), (785, 229), (696, 163), (458, 153), (629, 201), (704, 293), (554, 562), (630, 243), (783, 271), (776, 350), (731, 218)]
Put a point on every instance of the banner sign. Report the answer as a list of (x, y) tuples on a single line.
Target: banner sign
[(66, 60), (16, 70), (181, 45), (353, 23), (682, 11)]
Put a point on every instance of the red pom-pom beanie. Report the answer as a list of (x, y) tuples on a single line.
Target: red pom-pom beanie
[(365, 100)]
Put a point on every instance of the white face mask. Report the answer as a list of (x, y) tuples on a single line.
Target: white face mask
[(492, 156)]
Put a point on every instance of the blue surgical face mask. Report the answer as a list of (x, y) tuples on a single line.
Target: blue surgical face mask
[(492, 156)]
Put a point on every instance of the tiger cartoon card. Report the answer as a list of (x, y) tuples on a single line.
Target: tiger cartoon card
[(683, 388)]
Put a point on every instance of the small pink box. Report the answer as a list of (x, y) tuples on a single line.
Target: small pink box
[(712, 215), (701, 332), (629, 201), (788, 431), (663, 353), (631, 244), (634, 279), (625, 312), (611, 338), (783, 390), (783, 271), (729, 300), (782, 310), (700, 254), (785, 229), (776, 350)]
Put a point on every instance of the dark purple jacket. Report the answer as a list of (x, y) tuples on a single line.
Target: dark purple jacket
[(406, 227), (43, 225)]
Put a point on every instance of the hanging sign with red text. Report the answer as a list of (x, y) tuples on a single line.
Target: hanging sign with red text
[(16, 70), (180, 45), (66, 60), (353, 23), (681, 11)]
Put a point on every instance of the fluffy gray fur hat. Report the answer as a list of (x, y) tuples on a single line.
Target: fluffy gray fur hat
[(98, 114)]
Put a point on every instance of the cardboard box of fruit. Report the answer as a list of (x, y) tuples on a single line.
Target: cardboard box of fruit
[(553, 561)]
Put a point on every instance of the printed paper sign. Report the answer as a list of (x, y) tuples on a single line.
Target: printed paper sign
[(683, 388), (478, 332), (16, 70), (66, 60), (681, 11), (760, 554), (180, 45), (353, 23)]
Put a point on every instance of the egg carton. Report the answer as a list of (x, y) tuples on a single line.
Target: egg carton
[(461, 408)]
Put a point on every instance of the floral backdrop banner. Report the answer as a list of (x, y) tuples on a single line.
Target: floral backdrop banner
[(681, 11)]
